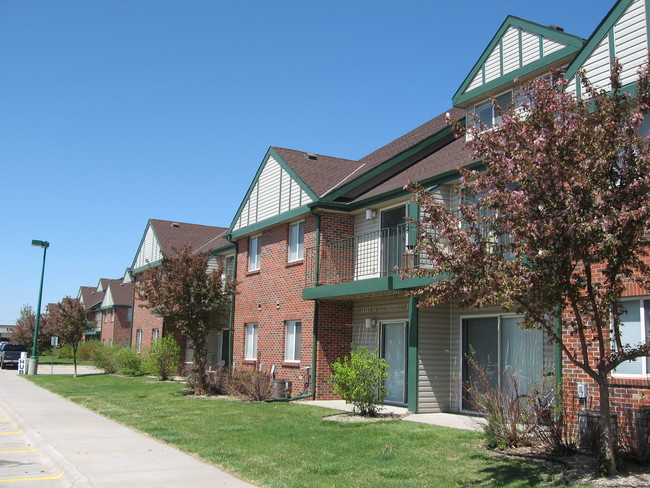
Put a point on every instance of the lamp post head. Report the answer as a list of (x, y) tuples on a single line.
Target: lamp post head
[(43, 244)]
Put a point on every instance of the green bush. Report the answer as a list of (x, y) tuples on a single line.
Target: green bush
[(87, 348), (359, 379), (103, 357), (164, 358), (128, 361), (65, 352)]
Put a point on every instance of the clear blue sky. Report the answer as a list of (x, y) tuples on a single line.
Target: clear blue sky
[(116, 111)]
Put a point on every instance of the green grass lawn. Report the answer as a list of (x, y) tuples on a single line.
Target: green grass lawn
[(287, 445)]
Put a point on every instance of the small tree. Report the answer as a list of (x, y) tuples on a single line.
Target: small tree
[(360, 380), (24, 331), (555, 227), (68, 321), (191, 298), (164, 357)]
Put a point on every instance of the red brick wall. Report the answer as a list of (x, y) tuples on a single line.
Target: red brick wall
[(145, 320), (119, 329), (273, 295), (625, 392)]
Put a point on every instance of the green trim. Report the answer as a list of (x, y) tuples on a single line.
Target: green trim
[(364, 178), (146, 267), (592, 43), (518, 73), (541, 46), (372, 285), (412, 356), (413, 210), (283, 164), (612, 48), (223, 250), (277, 219), (572, 42)]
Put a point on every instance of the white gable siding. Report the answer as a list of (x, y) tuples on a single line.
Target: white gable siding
[(530, 47), (597, 66), (477, 81), (549, 46), (274, 192), (631, 40), (108, 299), (493, 65), (510, 50), (149, 251)]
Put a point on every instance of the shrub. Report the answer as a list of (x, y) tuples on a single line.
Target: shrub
[(254, 386), (128, 361), (87, 349), (164, 358), (359, 379), (103, 357), (507, 413), (65, 352)]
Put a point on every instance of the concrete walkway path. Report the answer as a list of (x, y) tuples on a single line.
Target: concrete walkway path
[(455, 421), (47, 441)]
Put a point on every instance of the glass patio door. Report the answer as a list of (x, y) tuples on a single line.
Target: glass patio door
[(480, 354), (393, 239), (393, 350)]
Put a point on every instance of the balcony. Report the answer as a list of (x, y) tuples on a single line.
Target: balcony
[(374, 256)]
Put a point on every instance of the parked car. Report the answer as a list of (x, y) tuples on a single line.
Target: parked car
[(10, 354)]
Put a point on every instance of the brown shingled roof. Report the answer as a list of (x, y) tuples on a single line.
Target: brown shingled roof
[(448, 158), (202, 238), (90, 296), (122, 293), (319, 172), (413, 137)]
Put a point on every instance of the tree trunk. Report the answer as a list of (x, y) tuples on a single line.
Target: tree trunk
[(606, 440), (200, 360)]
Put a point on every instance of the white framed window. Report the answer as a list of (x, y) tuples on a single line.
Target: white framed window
[(138, 340), (489, 112), (228, 267), (250, 346), (155, 334), (292, 340), (254, 253), (635, 330), (112, 315), (296, 241)]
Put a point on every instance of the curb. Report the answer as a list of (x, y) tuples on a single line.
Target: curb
[(72, 477)]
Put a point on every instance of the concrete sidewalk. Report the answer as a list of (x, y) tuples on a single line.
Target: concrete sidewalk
[(47, 441), (455, 421)]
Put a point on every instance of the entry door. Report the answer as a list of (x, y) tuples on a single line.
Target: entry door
[(393, 241), (480, 352), (393, 350), (225, 346)]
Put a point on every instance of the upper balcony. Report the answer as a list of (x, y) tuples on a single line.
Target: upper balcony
[(366, 263)]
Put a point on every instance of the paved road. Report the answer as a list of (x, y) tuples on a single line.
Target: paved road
[(47, 441)]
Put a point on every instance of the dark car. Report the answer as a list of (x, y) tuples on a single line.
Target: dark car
[(10, 354)]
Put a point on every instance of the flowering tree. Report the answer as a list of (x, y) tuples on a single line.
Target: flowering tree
[(25, 325), (68, 322), (555, 226), (187, 295)]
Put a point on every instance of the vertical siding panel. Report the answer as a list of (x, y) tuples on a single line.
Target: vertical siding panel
[(550, 46), (630, 38), (597, 66), (434, 373), (493, 64), (510, 50), (530, 47)]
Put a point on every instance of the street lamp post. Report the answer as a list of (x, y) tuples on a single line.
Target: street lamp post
[(33, 361)]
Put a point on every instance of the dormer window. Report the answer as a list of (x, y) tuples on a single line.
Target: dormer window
[(489, 113)]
